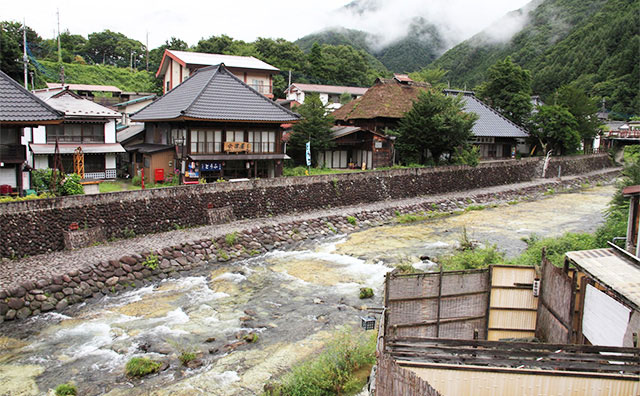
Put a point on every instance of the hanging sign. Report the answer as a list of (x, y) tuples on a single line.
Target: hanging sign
[(210, 166), (308, 154)]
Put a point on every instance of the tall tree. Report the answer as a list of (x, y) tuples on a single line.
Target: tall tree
[(315, 126), (11, 48), (583, 109), (508, 90), (436, 124), (555, 129)]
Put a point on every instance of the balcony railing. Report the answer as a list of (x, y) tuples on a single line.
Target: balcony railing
[(633, 134), (12, 153), (263, 89)]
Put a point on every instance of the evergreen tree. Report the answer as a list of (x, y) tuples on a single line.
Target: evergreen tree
[(508, 90), (583, 109), (436, 124), (315, 126), (555, 129)]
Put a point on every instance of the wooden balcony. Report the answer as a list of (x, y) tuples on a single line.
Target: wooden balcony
[(13, 153)]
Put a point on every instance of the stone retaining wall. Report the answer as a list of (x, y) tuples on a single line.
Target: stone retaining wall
[(36, 227), (58, 291)]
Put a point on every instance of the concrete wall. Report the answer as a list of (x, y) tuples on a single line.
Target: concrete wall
[(41, 222)]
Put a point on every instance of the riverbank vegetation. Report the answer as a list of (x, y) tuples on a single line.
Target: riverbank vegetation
[(615, 225), (340, 369)]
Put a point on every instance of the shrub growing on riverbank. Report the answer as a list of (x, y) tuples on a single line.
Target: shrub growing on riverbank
[(331, 372), (68, 389), (139, 367)]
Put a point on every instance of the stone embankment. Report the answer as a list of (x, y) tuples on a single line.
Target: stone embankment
[(59, 285)]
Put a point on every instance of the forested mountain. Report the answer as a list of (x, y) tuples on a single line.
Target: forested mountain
[(419, 47), (593, 44)]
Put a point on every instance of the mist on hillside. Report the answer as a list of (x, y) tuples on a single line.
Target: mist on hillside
[(388, 21)]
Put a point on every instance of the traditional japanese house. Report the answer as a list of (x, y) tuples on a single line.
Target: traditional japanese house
[(177, 66), (382, 106), (357, 147), (87, 125), (19, 108), (221, 127)]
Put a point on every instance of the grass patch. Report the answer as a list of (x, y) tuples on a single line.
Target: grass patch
[(406, 268), (473, 259), (550, 191), (67, 389), (140, 367), (151, 262), (366, 292), (475, 207), (333, 371), (556, 247), (302, 171), (186, 357), (230, 239), (222, 254), (351, 220)]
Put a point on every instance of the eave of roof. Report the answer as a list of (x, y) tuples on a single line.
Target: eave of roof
[(12, 111)]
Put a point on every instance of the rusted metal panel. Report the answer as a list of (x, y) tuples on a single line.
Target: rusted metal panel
[(555, 308), (478, 382)]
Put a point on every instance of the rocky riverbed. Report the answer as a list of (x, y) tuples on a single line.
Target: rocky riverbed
[(293, 291)]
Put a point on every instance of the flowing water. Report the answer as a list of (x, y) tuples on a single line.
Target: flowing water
[(293, 300)]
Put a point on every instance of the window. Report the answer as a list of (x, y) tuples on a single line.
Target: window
[(75, 133), (258, 85), (235, 136), (92, 162), (178, 134), (10, 135), (206, 141), (167, 89), (263, 142)]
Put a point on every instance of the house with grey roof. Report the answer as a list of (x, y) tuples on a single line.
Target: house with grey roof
[(87, 125), (177, 66), (19, 109), (496, 136), (221, 127)]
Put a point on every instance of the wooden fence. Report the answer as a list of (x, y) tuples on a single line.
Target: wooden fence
[(512, 311), (450, 304), (393, 380), (556, 305)]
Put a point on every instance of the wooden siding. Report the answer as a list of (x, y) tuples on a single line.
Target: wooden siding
[(512, 311)]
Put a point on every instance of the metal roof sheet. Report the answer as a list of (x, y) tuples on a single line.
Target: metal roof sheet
[(490, 123), (86, 87), (201, 58), (19, 105), (136, 100), (74, 106), (612, 270), (129, 132), (215, 94), (332, 89), (70, 148)]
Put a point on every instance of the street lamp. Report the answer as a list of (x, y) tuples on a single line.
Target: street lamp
[(180, 141)]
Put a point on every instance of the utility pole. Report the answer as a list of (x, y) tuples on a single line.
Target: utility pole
[(147, 48), (289, 78), (25, 60), (59, 48)]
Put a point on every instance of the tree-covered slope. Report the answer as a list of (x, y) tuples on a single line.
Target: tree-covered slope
[(591, 43), (420, 46)]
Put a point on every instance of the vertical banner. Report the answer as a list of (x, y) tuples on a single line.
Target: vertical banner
[(308, 154)]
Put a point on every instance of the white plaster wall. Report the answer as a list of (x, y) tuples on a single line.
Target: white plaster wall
[(40, 161), (110, 161), (110, 131), (40, 135), (8, 176)]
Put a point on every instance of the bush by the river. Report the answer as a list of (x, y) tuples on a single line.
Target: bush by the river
[(66, 390), (139, 367), (332, 371)]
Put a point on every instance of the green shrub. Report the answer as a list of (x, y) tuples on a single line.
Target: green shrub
[(186, 357), (26, 198), (136, 180), (251, 338), (331, 372), (151, 262), (68, 389), (366, 292), (473, 258), (128, 233), (351, 220), (464, 156), (71, 185), (556, 247), (41, 179), (230, 239), (139, 367)]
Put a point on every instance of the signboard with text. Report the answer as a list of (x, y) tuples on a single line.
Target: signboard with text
[(210, 166), (237, 147)]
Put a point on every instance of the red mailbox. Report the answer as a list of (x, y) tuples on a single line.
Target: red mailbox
[(159, 175)]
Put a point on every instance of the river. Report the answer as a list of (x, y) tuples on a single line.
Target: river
[(293, 300)]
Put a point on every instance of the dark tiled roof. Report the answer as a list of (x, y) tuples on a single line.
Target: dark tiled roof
[(215, 94), (490, 123), (19, 105), (388, 98)]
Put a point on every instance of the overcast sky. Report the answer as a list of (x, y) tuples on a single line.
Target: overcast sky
[(248, 19)]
